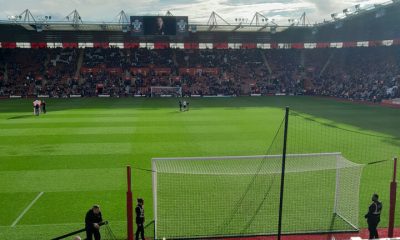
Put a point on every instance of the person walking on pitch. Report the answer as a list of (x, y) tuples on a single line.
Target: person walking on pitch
[(43, 105)]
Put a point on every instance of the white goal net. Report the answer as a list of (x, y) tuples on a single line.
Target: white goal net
[(239, 196), (166, 91)]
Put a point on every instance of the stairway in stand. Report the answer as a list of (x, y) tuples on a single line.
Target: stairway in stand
[(79, 63)]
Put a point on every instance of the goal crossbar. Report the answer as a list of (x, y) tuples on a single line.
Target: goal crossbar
[(247, 157)]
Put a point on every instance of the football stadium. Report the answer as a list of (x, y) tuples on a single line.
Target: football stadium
[(164, 127)]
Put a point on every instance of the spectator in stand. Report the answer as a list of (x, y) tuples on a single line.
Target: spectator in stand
[(362, 74)]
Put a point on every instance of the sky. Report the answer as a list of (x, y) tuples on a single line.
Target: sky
[(198, 11)]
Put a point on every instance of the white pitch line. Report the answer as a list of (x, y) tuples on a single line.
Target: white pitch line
[(26, 209)]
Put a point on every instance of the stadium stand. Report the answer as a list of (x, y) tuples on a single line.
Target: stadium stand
[(355, 58), (370, 74)]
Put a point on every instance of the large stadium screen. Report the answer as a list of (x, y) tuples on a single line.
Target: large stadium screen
[(159, 25)]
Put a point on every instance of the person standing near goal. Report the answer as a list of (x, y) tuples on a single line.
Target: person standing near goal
[(139, 219), (374, 216), (92, 220)]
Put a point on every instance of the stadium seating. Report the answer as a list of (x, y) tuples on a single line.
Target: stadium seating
[(367, 74)]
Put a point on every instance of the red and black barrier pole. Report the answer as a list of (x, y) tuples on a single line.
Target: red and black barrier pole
[(129, 212), (393, 190)]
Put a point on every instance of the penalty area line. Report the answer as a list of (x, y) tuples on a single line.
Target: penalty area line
[(26, 209)]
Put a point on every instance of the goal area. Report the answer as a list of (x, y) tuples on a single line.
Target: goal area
[(160, 91), (201, 197)]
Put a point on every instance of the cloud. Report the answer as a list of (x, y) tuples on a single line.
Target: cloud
[(230, 10), (197, 10), (323, 9)]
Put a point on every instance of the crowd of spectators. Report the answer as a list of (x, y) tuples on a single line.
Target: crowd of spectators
[(361, 74), (370, 74)]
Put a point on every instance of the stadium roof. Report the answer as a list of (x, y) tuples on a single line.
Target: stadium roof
[(216, 23), (377, 23)]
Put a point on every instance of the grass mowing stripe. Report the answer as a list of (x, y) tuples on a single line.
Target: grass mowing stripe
[(12, 204), (34, 232), (44, 131), (35, 120), (135, 139), (44, 162), (77, 204), (62, 180), (157, 149), (62, 149), (26, 209), (55, 224)]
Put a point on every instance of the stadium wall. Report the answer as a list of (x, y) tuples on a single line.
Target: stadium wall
[(194, 45)]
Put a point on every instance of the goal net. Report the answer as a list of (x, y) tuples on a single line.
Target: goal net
[(166, 91), (239, 196)]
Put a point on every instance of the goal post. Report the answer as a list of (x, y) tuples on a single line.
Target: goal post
[(346, 182), (154, 187), (201, 197), (160, 91)]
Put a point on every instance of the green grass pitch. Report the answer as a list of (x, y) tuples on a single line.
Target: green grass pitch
[(76, 154)]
